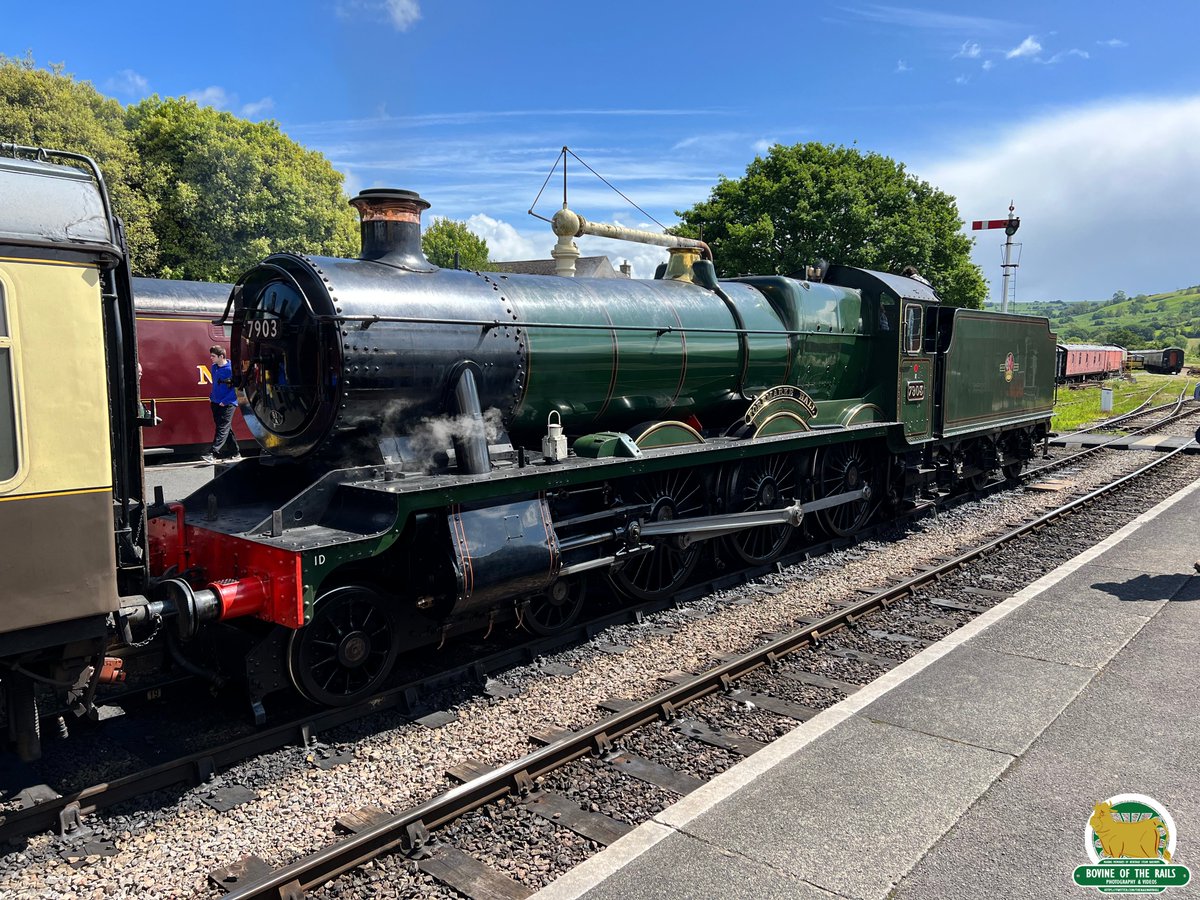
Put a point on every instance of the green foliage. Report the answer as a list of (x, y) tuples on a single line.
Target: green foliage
[(445, 236), (1121, 337), (203, 194), (818, 201), (230, 191), (41, 108)]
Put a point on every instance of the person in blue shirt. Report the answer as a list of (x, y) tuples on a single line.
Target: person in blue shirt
[(223, 401)]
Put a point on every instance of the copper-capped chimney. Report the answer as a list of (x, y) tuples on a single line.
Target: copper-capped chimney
[(391, 228)]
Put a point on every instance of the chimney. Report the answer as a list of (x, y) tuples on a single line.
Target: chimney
[(391, 228), (627, 269)]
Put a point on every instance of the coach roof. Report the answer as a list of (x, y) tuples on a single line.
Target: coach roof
[(48, 205)]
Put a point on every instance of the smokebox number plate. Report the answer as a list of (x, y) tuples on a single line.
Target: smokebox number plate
[(915, 392)]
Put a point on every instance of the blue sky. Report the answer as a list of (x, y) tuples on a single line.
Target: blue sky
[(1086, 114)]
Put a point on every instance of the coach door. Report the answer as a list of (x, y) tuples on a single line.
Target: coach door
[(915, 384)]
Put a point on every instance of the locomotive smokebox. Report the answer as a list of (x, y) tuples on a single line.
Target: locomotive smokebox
[(391, 227)]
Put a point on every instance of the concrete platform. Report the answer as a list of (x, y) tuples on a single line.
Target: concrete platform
[(971, 770)]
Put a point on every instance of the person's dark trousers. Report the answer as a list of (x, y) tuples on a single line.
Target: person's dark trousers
[(223, 420)]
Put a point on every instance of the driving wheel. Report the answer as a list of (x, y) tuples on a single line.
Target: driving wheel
[(661, 571), (764, 483)]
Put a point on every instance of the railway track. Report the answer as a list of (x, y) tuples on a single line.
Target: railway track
[(44, 809), (1172, 414), (374, 833), (1144, 409)]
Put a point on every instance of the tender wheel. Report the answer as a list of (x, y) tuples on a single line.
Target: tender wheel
[(557, 609), (1013, 472), (836, 470), (764, 483), (344, 654), (663, 570), (984, 453)]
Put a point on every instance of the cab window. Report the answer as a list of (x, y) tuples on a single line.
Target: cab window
[(8, 407), (912, 328)]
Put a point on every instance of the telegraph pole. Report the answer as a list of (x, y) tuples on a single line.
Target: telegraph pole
[(1010, 226)]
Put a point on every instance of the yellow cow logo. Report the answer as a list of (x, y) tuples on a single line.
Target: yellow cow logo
[(1131, 835), (1130, 841)]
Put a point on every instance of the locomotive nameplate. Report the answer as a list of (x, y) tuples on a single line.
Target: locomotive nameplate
[(782, 392), (915, 391)]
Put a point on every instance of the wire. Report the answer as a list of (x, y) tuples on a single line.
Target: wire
[(605, 180), (550, 175), (562, 156)]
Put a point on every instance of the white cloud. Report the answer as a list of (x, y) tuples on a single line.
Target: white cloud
[(403, 14), (1027, 47), (987, 65), (1105, 195), (127, 82), (213, 95), (1112, 42), (901, 66), (962, 79), (911, 17), (969, 50), (763, 146), (258, 107), (506, 243), (218, 98), (1063, 54)]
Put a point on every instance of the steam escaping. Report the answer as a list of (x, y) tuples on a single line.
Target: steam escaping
[(434, 435)]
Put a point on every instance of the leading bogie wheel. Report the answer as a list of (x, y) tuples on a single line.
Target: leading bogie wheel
[(348, 649), (557, 609)]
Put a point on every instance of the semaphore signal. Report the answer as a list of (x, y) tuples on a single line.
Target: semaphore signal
[(1010, 226)]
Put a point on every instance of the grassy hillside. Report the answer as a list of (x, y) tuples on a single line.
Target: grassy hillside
[(1159, 320)]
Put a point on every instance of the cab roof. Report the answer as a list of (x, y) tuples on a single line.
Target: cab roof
[(871, 282)]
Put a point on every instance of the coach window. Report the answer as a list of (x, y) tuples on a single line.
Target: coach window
[(912, 328), (8, 407)]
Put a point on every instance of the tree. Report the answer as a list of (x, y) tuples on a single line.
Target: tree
[(1122, 337), (47, 108), (229, 191), (816, 201), (445, 236)]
